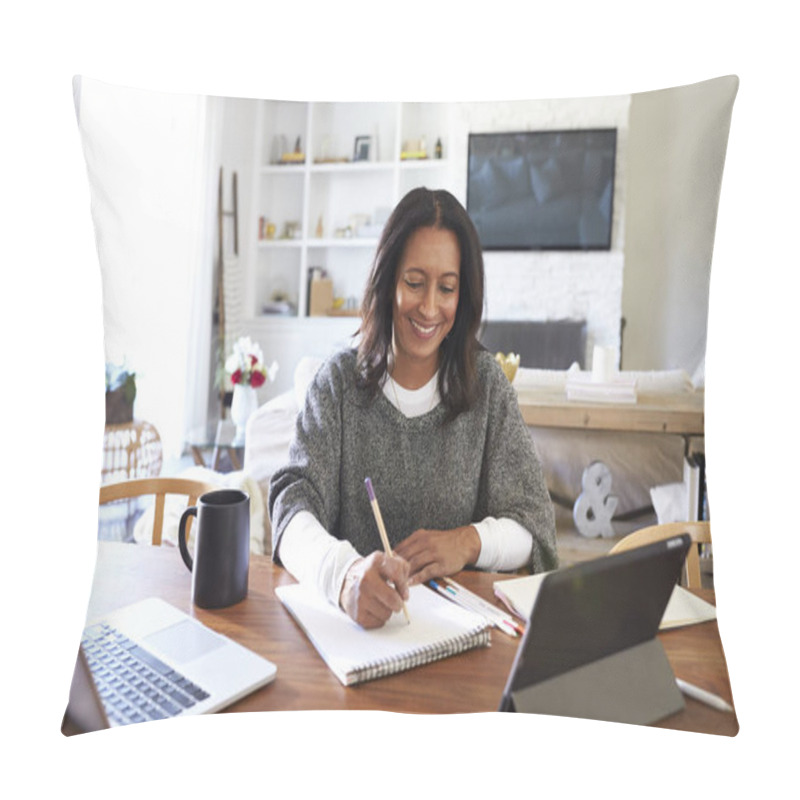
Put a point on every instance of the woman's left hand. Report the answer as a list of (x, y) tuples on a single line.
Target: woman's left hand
[(434, 554)]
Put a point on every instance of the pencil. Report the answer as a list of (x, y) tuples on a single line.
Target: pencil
[(387, 548)]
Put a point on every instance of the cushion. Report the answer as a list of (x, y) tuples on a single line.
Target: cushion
[(152, 184)]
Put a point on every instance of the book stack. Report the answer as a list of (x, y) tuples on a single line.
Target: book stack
[(616, 388)]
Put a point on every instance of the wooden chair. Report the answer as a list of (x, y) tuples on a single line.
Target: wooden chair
[(699, 531), (160, 487)]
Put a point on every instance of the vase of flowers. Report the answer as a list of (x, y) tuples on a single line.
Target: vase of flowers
[(245, 366)]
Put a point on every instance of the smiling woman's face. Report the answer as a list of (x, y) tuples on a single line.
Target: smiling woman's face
[(425, 303)]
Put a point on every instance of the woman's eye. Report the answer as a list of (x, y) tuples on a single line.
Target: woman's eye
[(413, 284), (447, 289)]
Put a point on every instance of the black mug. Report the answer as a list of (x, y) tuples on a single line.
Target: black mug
[(222, 547)]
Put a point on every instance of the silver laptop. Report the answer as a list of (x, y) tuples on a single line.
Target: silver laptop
[(152, 661)]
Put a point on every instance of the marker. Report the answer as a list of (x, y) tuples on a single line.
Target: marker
[(495, 619), (703, 696), (381, 528), (487, 609)]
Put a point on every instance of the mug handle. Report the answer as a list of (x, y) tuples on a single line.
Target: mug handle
[(187, 559)]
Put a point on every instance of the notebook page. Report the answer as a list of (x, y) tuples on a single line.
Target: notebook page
[(683, 608), (438, 628)]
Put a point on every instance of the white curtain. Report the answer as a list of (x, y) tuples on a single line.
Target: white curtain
[(148, 158)]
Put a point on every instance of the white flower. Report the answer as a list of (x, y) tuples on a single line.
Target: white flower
[(245, 347), (233, 363), (247, 359)]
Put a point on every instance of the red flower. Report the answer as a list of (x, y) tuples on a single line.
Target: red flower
[(253, 361), (257, 379), (236, 377)]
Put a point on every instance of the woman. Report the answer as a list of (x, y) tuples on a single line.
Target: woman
[(426, 413)]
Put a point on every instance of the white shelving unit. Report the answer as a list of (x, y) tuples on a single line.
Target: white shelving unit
[(330, 197)]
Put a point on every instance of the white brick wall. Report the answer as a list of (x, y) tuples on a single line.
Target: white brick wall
[(555, 285)]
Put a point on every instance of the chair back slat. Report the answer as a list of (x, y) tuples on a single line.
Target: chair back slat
[(160, 487), (700, 533)]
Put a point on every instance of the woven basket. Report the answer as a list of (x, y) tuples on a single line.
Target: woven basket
[(131, 450)]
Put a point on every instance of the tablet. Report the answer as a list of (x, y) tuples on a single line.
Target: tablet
[(590, 648)]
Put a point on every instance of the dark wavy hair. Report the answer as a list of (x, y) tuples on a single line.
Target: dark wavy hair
[(425, 208)]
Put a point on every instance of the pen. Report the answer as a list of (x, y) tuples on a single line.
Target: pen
[(702, 695), (373, 501), (487, 608), (468, 601)]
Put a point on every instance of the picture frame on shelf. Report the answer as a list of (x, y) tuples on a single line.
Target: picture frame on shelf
[(362, 148)]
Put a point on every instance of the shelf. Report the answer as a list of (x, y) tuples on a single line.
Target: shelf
[(354, 166), (353, 241), (344, 242), (338, 192), (283, 169), (290, 243), (422, 163)]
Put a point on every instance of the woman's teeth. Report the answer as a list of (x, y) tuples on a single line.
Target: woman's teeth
[(421, 329)]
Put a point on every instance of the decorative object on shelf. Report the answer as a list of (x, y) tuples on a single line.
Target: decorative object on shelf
[(292, 158), (266, 229), (291, 230), (280, 303), (245, 365), (279, 147), (320, 294), (438, 151), (120, 394), (296, 156), (509, 364), (359, 224), (361, 149), (414, 150), (324, 154), (594, 509), (320, 231)]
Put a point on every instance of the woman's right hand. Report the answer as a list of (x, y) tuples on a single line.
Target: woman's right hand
[(374, 588)]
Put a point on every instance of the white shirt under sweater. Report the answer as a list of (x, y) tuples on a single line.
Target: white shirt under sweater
[(312, 555)]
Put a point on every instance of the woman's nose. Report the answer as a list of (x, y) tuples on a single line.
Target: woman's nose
[(428, 303)]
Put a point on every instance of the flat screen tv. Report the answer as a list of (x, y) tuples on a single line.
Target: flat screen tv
[(542, 190)]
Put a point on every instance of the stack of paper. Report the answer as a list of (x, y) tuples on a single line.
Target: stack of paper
[(683, 608), (619, 388)]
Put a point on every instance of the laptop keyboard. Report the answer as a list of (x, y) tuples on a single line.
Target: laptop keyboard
[(133, 684)]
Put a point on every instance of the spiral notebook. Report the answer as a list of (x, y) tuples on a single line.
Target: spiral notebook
[(438, 629)]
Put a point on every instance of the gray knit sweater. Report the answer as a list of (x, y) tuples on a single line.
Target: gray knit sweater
[(426, 473)]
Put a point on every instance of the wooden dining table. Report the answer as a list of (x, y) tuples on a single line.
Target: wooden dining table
[(470, 682)]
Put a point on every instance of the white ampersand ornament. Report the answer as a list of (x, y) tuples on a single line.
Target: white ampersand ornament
[(594, 509)]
